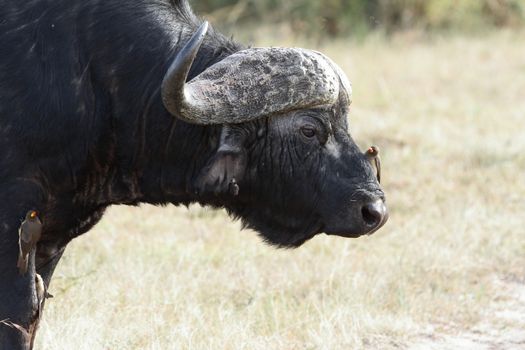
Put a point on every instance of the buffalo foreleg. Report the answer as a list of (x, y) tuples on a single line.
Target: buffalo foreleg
[(47, 256), (18, 297), (19, 303)]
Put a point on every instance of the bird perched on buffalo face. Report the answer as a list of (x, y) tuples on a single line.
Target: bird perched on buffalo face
[(29, 233)]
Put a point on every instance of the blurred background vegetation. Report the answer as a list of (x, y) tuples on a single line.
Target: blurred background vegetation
[(360, 17)]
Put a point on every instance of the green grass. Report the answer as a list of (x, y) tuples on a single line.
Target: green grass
[(360, 17), (449, 116)]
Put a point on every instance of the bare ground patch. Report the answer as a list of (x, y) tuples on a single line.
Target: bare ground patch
[(502, 326)]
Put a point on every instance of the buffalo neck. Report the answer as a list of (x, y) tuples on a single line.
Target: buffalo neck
[(155, 156)]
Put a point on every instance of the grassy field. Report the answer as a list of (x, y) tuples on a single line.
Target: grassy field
[(449, 116)]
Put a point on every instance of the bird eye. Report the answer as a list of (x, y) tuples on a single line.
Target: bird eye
[(308, 131)]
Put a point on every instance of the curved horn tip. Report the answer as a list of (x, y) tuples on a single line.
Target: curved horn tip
[(190, 49), (172, 87), (196, 39), (203, 29)]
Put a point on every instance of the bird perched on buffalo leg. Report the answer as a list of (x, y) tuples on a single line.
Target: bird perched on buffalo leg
[(372, 154), (29, 233)]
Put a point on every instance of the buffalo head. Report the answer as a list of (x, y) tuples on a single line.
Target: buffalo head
[(285, 163)]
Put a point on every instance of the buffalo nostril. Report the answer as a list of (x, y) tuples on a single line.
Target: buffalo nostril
[(374, 213)]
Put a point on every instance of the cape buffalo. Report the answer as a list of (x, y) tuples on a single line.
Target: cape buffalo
[(107, 102)]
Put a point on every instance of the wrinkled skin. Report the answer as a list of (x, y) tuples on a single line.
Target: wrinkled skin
[(318, 183)]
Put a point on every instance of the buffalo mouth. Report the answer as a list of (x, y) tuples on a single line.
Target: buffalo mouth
[(367, 227), (353, 234), (360, 219)]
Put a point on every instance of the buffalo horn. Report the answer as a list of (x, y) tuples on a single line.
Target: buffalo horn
[(173, 91), (250, 84)]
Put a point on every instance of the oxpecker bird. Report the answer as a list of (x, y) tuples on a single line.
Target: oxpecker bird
[(29, 233), (372, 154)]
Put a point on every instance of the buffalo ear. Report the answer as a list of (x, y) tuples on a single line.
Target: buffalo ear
[(226, 167)]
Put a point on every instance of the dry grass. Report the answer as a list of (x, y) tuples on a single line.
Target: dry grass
[(449, 115)]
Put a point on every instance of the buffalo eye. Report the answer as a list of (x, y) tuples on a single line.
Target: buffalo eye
[(308, 131)]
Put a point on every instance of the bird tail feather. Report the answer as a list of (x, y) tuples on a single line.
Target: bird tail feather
[(22, 264)]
